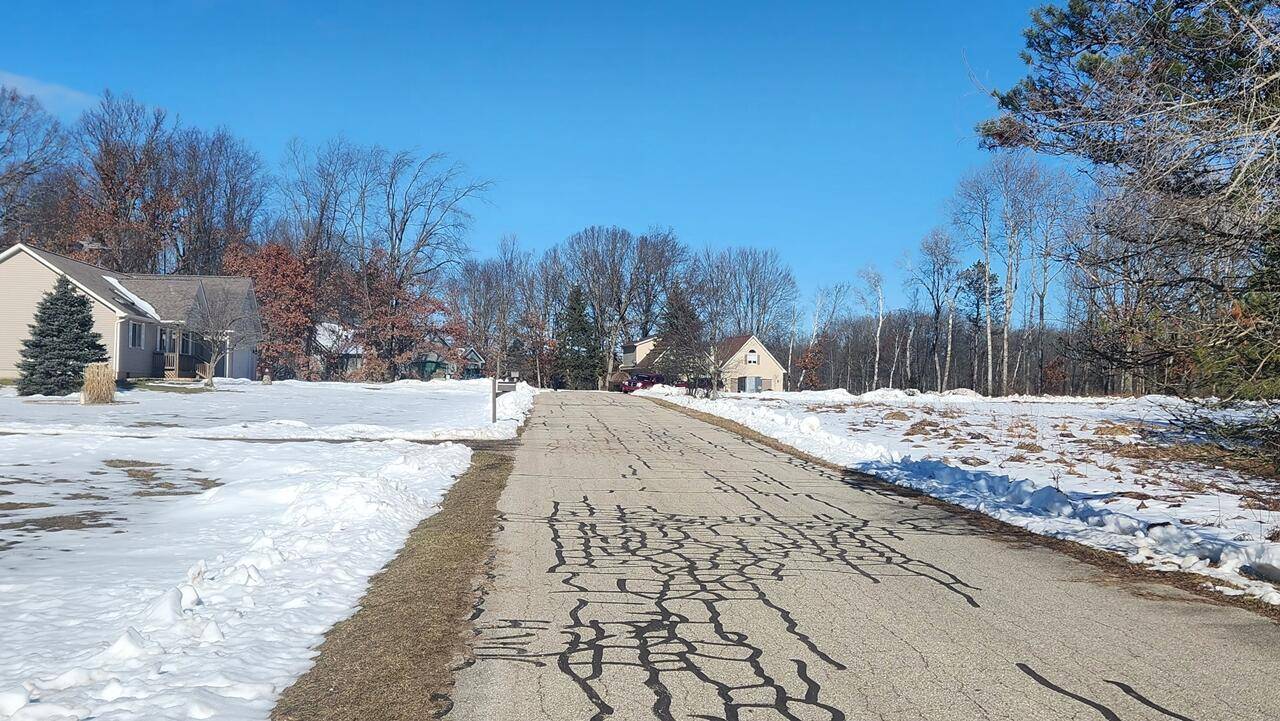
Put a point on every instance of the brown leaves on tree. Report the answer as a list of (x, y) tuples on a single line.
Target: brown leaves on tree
[(287, 300)]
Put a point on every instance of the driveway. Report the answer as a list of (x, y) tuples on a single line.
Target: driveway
[(654, 566)]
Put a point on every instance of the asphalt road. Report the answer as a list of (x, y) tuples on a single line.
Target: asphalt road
[(652, 566)]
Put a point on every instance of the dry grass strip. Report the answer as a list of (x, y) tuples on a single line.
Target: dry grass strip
[(1112, 569), (393, 658)]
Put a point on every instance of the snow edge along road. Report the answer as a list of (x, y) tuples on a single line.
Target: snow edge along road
[(1250, 567)]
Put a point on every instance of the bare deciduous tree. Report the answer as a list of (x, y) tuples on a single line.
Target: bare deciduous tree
[(221, 189), (871, 294), (974, 211), (762, 288), (31, 143), (935, 274), (604, 263), (659, 260), (226, 321)]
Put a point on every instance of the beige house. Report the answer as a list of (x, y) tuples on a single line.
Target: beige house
[(746, 365), (142, 318)]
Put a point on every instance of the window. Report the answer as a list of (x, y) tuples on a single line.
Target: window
[(135, 334), (753, 358), (186, 344), (160, 339)]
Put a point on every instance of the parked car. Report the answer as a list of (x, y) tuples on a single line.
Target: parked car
[(638, 381)]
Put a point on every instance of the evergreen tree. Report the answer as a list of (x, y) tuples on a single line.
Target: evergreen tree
[(972, 296), (62, 343), (1248, 366), (682, 350), (578, 348)]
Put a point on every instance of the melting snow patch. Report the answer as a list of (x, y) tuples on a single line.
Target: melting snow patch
[(206, 605), (130, 296)]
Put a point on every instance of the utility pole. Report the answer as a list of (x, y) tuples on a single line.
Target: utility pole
[(493, 391)]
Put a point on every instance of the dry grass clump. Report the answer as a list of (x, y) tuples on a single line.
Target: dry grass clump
[(1020, 427), (1030, 447), (896, 416), (1203, 454), (923, 427), (99, 385), (820, 407), (1111, 428)]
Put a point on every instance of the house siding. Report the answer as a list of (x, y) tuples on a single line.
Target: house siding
[(243, 363), (136, 362), (25, 281), (644, 348)]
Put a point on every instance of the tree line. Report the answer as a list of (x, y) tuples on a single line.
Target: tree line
[(1144, 259), (361, 237), (1122, 237)]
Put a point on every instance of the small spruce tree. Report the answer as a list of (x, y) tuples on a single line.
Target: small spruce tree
[(578, 353), (62, 343)]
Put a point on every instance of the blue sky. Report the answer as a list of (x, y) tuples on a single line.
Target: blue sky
[(832, 132)]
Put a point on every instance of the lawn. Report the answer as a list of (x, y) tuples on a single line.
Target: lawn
[(287, 410)]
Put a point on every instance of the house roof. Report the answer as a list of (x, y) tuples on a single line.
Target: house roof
[(172, 298), (633, 343), (729, 347), (91, 278), (160, 297)]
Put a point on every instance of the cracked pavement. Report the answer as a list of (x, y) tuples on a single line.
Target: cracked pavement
[(653, 566)]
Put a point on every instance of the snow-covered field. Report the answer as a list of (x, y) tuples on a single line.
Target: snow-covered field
[(1075, 468), (170, 577), (290, 410)]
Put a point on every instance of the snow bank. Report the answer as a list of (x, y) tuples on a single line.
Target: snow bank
[(1164, 542), (286, 410), (205, 605)]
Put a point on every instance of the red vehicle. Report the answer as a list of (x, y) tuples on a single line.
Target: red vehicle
[(637, 381)]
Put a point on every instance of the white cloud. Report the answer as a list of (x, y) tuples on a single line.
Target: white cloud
[(57, 99)]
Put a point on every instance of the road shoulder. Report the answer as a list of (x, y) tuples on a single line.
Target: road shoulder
[(395, 657)]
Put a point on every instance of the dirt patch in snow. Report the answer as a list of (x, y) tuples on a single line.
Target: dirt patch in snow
[(158, 479), (68, 522), (12, 506), (395, 658)]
